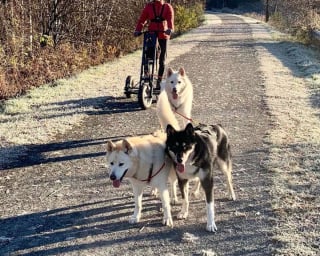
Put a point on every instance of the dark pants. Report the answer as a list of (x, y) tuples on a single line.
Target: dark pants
[(163, 55)]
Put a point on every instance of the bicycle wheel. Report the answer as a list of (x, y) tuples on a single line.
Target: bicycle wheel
[(145, 96)]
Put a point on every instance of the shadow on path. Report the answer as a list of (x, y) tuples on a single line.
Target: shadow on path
[(28, 155)]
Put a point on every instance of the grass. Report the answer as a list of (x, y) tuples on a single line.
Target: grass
[(54, 108)]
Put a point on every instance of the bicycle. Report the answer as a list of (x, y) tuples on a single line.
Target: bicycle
[(145, 88)]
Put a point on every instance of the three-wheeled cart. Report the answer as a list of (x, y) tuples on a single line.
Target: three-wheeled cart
[(146, 87)]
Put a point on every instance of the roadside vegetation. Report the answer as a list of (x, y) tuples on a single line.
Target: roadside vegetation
[(42, 41), (300, 18)]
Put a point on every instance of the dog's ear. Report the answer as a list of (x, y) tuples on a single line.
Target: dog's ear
[(110, 146), (182, 72), (170, 130), (169, 72), (126, 147), (189, 129)]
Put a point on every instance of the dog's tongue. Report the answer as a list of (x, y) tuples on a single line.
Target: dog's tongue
[(116, 183), (180, 167), (174, 95)]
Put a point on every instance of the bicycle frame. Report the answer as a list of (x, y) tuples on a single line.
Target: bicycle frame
[(149, 65), (149, 57)]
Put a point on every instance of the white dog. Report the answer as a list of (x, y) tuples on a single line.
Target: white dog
[(179, 93), (143, 161)]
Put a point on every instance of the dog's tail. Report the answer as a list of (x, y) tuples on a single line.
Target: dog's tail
[(164, 111)]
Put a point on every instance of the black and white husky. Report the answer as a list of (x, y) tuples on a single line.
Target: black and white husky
[(195, 152)]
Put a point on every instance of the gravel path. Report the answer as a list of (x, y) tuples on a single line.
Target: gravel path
[(57, 199)]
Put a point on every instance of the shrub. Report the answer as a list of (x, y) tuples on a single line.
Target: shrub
[(186, 18), (34, 49)]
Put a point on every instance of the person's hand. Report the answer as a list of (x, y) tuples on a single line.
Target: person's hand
[(168, 32), (136, 33)]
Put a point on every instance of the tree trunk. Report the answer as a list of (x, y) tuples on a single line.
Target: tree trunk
[(30, 28), (267, 11)]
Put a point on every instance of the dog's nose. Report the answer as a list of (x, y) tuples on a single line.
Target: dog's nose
[(174, 90), (113, 177), (179, 159)]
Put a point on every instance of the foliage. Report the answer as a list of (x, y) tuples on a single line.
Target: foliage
[(41, 41), (187, 18), (299, 17)]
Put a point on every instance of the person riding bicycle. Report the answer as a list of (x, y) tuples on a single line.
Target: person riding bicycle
[(160, 17)]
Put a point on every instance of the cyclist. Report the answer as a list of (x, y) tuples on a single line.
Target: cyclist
[(160, 17)]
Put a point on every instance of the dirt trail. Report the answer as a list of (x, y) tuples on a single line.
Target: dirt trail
[(58, 199)]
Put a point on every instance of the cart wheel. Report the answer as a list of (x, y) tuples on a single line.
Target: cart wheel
[(128, 86), (145, 96)]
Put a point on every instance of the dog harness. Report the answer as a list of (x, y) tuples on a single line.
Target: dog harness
[(174, 109), (150, 172)]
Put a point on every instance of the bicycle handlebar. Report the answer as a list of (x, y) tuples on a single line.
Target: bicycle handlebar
[(139, 33)]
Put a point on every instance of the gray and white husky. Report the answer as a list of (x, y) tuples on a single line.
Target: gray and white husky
[(195, 151)]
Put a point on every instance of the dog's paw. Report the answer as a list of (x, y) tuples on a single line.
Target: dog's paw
[(134, 219), (182, 215), (196, 194), (174, 201), (167, 221), (232, 197), (211, 227)]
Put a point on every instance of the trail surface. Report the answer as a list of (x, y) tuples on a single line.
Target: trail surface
[(56, 198)]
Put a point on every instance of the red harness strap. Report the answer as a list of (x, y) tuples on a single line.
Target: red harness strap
[(185, 117), (151, 176)]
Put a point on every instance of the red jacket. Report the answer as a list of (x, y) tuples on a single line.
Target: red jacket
[(148, 15)]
